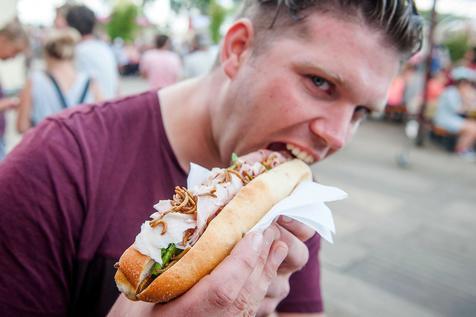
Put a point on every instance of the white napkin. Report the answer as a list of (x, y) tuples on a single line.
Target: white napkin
[(305, 204)]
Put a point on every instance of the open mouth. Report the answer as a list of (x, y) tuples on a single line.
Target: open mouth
[(293, 151)]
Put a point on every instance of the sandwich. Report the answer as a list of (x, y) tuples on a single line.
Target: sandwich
[(190, 234)]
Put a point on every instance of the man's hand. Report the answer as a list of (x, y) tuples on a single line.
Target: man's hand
[(237, 287), (293, 234)]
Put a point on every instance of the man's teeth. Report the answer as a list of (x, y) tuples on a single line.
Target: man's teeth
[(300, 154)]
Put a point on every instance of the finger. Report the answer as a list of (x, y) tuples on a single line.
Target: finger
[(279, 287), (298, 253), (252, 284), (220, 289), (300, 230), (255, 290)]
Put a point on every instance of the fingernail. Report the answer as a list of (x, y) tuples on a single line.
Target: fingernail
[(257, 241), (286, 219), (278, 255)]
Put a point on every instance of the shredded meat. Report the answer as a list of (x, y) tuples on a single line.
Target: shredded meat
[(183, 202)]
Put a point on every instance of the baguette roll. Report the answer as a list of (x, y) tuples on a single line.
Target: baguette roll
[(237, 217)]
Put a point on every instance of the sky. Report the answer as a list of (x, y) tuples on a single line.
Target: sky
[(42, 11), (458, 7)]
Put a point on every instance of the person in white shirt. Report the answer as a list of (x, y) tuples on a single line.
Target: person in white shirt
[(201, 58), (93, 56)]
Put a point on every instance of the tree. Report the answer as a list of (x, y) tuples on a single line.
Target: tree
[(123, 22)]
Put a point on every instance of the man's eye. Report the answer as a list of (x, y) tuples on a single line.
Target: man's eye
[(360, 113), (321, 83)]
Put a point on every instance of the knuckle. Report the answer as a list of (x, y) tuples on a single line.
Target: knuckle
[(241, 303), (267, 307), (220, 297), (284, 289), (305, 256)]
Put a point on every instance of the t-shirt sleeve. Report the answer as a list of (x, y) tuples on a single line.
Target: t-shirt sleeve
[(305, 293), (40, 218)]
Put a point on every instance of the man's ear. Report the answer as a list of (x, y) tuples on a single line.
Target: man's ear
[(236, 46)]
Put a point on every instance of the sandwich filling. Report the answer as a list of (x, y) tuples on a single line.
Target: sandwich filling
[(178, 223)]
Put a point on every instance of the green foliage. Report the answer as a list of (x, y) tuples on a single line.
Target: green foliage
[(457, 46), (123, 22), (217, 15), (203, 5)]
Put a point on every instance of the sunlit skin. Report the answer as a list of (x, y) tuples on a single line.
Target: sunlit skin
[(309, 92)]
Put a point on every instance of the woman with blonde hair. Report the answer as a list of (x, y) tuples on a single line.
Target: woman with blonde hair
[(59, 86)]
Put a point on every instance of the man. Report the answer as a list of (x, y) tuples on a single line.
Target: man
[(93, 56), (300, 73), (160, 65)]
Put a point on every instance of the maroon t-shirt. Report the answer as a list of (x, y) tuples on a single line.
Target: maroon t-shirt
[(73, 195)]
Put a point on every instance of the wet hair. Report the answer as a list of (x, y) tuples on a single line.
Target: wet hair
[(60, 44), (161, 40), (397, 20), (15, 33), (81, 18)]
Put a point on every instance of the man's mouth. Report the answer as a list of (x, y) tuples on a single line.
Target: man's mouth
[(294, 151)]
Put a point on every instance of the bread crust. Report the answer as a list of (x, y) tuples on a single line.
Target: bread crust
[(249, 205)]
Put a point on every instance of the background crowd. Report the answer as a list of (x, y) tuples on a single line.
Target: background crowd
[(74, 63)]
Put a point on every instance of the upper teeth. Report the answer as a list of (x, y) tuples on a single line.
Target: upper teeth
[(300, 154)]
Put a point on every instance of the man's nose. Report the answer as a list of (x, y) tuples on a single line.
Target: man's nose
[(334, 126)]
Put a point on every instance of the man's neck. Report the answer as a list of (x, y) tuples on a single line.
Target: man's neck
[(186, 111)]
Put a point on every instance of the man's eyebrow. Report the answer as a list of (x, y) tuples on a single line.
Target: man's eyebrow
[(336, 78)]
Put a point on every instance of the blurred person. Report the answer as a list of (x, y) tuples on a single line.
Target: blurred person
[(60, 16), (60, 86), (290, 73), (414, 88), (452, 106), (13, 41), (201, 58), (436, 86), (161, 66), (470, 58), (93, 56)]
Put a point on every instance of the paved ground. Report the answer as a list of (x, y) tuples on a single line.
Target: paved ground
[(405, 237)]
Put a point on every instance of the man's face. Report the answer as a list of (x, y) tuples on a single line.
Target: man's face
[(308, 95)]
